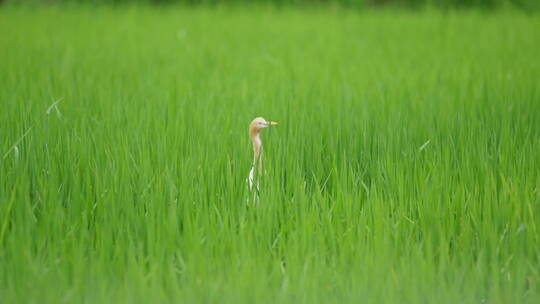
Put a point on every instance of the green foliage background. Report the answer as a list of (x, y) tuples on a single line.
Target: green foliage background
[(405, 168), (523, 4)]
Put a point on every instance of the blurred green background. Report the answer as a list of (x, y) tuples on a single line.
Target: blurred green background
[(358, 4), (405, 167)]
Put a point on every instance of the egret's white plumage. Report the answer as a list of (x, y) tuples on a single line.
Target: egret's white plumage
[(255, 128), (250, 178)]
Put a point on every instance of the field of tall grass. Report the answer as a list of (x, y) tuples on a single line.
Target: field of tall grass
[(405, 167)]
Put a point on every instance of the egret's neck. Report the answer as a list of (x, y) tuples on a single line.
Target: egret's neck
[(257, 145)]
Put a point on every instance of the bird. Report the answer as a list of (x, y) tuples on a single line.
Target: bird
[(255, 128)]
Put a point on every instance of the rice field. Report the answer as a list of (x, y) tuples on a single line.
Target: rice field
[(405, 167)]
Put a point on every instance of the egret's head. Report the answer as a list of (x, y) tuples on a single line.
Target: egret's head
[(258, 124)]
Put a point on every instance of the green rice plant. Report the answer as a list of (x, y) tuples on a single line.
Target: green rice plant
[(404, 169)]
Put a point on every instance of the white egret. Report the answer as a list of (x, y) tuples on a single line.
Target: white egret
[(255, 128)]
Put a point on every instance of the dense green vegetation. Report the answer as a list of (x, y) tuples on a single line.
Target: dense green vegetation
[(357, 4), (405, 168)]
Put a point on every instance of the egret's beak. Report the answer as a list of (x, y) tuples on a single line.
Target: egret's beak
[(272, 123)]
